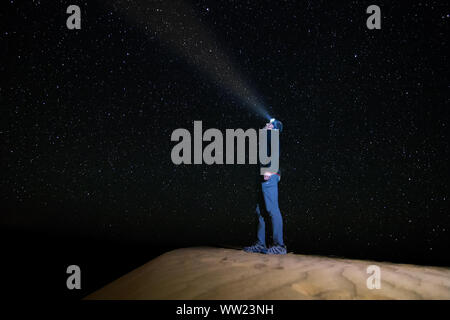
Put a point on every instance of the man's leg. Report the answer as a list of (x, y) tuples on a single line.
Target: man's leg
[(261, 234), (260, 245), (270, 191)]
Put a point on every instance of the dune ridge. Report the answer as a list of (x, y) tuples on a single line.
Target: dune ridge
[(220, 273)]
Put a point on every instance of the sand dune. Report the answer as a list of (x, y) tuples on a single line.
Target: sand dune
[(215, 273)]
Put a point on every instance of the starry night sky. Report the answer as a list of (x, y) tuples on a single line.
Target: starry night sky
[(87, 117)]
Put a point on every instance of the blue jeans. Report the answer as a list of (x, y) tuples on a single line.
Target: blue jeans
[(270, 203)]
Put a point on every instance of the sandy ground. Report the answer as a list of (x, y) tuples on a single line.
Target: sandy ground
[(215, 273)]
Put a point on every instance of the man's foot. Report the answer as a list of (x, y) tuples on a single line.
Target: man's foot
[(277, 250), (256, 248)]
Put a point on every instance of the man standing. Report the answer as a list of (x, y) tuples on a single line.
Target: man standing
[(268, 202)]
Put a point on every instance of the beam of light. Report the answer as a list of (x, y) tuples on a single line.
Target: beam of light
[(176, 23)]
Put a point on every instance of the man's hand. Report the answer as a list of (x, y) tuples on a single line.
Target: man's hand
[(269, 126), (267, 175)]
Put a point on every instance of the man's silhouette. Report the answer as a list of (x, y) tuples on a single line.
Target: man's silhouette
[(268, 203)]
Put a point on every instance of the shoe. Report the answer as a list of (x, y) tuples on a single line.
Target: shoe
[(256, 248), (277, 250)]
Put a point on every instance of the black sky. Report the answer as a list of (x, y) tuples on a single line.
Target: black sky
[(87, 117)]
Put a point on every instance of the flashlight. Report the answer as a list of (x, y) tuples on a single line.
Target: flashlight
[(272, 120)]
